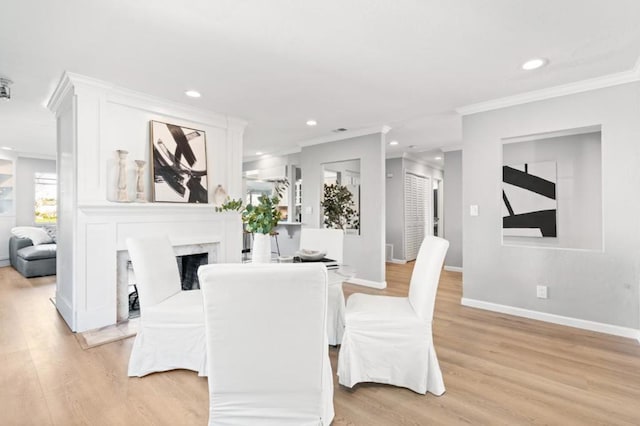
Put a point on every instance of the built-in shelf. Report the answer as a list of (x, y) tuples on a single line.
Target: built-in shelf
[(6, 188)]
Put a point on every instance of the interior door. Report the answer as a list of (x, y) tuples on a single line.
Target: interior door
[(416, 219)]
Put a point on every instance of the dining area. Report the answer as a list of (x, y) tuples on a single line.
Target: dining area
[(262, 333)]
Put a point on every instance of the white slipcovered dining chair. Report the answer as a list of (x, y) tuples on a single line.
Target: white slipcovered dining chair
[(267, 354), (389, 339), (171, 333), (331, 241)]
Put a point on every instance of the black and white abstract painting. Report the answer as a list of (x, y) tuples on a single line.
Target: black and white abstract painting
[(529, 200), (179, 159)]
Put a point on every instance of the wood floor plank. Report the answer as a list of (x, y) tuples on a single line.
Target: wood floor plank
[(498, 370)]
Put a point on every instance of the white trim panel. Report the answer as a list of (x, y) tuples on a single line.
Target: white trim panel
[(453, 268), (599, 327), (609, 80)]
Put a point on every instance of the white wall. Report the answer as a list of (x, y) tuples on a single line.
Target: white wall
[(25, 194), (578, 189), (7, 218), (365, 252), (94, 119), (599, 286), (453, 207)]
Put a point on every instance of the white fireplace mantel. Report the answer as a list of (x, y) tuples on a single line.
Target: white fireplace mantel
[(94, 120)]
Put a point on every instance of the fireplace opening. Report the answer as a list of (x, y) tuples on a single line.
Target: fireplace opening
[(188, 268)]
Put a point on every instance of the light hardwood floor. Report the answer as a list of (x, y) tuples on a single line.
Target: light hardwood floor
[(497, 369)]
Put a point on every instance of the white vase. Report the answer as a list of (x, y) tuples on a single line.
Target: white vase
[(261, 251)]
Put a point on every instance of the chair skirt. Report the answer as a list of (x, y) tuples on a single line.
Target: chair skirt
[(335, 314), (385, 342), (162, 347)]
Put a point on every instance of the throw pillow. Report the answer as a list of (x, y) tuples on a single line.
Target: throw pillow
[(36, 235)]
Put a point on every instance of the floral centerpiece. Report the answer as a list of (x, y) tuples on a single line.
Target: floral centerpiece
[(260, 219)]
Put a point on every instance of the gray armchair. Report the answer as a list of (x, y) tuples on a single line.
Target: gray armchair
[(30, 260)]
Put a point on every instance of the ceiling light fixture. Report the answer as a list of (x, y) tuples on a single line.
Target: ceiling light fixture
[(438, 158), (311, 122), (534, 64), (5, 90), (393, 143), (7, 148), (192, 94), (259, 153)]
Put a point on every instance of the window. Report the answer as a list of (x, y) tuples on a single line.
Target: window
[(46, 188)]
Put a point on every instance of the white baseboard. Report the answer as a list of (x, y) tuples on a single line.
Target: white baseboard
[(398, 261), (368, 283), (615, 330), (453, 268), (4, 262)]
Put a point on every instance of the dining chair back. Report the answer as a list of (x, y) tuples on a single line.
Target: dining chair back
[(426, 275), (156, 269), (268, 360)]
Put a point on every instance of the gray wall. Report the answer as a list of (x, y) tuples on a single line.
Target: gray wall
[(26, 168), (365, 252), (579, 190), (594, 285), (453, 207), (394, 229)]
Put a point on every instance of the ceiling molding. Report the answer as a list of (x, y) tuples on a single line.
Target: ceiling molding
[(123, 96), (277, 153), (345, 135), (451, 148), (36, 156), (609, 80)]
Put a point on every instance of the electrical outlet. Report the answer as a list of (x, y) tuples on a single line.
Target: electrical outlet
[(308, 210), (541, 291), (473, 210)]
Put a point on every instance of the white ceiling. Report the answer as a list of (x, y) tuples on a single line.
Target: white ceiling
[(353, 64)]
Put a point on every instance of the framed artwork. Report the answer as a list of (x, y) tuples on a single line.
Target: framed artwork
[(179, 163), (529, 200)]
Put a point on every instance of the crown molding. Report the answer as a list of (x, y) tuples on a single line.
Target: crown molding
[(123, 96), (587, 85), (277, 153), (345, 135), (451, 148), (37, 156)]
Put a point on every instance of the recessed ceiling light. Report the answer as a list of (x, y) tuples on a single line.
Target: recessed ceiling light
[(438, 158), (7, 148), (259, 153), (534, 64), (393, 143), (311, 122), (192, 94)]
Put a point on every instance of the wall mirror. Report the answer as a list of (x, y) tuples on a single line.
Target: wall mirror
[(552, 190), (340, 201)]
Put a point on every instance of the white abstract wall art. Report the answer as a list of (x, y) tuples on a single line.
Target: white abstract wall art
[(179, 161), (529, 200)]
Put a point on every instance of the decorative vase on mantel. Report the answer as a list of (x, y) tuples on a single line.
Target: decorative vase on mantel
[(122, 176), (261, 250)]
